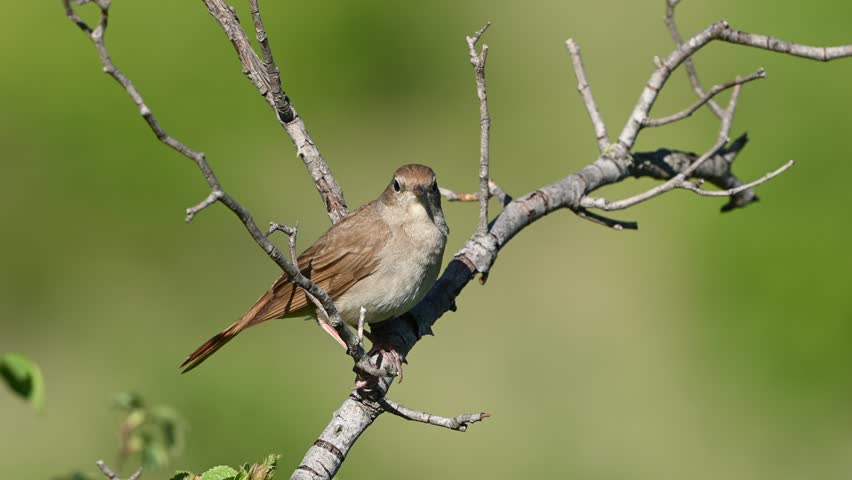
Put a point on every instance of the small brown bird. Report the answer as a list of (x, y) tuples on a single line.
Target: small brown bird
[(383, 257)]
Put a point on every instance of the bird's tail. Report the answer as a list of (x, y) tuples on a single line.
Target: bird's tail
[(252, 317), (210, 346)]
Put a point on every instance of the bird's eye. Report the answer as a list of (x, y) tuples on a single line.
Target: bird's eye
[(434, 186), (395, 185)]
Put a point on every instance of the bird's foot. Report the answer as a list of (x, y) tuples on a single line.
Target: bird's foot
[(387, 353)]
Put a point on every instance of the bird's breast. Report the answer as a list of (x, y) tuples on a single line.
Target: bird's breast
[(409, 265)]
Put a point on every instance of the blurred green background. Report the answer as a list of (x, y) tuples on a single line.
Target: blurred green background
[(703, 346)]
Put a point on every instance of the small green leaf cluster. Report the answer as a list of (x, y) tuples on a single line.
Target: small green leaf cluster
[(258, 471)]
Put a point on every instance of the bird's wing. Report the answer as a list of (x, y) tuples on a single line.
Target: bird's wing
[(346, 253)]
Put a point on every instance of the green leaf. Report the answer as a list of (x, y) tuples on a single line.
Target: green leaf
[(222, 472), (183, 475), (24, 378)]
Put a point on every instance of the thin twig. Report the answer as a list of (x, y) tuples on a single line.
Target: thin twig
[(498, 193), (696, 187), (106, 470), (478, 62), (689, 63), (214, 196), (459, 423), (362, 314), (100, 463), (658, 122), (586, 93), (452, 196), (495, 191)]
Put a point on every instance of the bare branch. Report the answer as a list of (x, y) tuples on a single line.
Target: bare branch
[(478, 62), (96, 35), (717, 31), (688, 64), (100, 463), (680, 178), (214, 196), (654, 122), (459, 423), (586, 93), (494, 191), (265, 77), (106, 470), (696, 187), (458, 197), (498, 193)]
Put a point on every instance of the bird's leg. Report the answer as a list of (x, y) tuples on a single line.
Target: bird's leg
[(387, 351)]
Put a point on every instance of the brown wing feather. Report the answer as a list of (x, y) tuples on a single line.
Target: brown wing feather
[(334, 262), (346, 253)]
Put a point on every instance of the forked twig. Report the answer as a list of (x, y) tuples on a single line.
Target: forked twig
[(478, 61)]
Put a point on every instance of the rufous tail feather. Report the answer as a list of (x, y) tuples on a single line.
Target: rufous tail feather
[(219, 340)]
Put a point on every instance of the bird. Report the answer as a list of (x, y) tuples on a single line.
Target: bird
[(383, 257)]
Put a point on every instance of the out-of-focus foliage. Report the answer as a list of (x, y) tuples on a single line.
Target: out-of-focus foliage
[(157, 434), (151, 436), (264, 470), (23, 377)]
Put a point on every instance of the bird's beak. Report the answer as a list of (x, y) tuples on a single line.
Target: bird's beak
[(422, 191)]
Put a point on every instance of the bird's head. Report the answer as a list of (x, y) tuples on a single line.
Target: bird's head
[(413, 191)]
